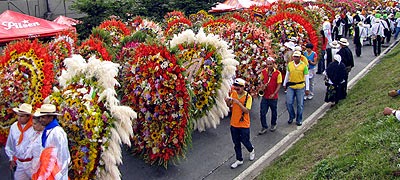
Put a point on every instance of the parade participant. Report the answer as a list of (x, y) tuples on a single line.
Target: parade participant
[(321, 62), (18, 140), (336, 76), (331, 51), (359, 32), (346, 54), (338, 26), (397, 27), (312, 58), (241, 102), (302, 58), (55, 139), (326, 27), (296, 80), (377, 31), (272, 80), (35, 148)]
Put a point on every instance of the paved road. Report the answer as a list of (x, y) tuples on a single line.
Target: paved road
[(212, 151)]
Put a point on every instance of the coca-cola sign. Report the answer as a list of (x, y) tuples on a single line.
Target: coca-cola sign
[(19, 25)]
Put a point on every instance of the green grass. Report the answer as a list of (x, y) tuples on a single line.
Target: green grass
[(353, 140)]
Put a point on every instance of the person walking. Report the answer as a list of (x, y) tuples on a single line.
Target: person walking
[(17, 142), (271, 80), (336, 76), (321, 62), (312, 58), (53, 139), (241, 102), (357, 40), (331, 51), (377, 31), (297, 84)]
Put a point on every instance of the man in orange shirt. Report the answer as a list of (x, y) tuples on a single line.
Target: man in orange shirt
[(241, 102)]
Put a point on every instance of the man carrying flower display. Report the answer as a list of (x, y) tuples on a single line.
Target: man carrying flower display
[(54, 141), (18, 140), (241, 102), (296, 80), (272, 80)]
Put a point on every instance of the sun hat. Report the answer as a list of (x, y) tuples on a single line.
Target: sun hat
[(377, 20), (334, 44), (270, 59), (297, 54), (239, 82), (360, 23), (325, 18), (343, 41), (47, 110), (337, 57), (23, 109), (289, 45), (297, 48), (293, 39)]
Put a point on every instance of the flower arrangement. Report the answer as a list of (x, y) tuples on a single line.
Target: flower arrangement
[(95, 122), (328, 10), (176, 26), (252, 46), (200, 17), (26, 76), (174, 15), (133, 22), (210, 69), (94, 47), (60, 48), (155, 87), (217, 26), (117, 30), (309, 30)]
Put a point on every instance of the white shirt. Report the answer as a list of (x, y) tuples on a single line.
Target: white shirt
[(377, 29), (12, 149), (34, 150), (57, 138)]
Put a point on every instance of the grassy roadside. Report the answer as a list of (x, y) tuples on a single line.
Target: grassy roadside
[(353, 140)]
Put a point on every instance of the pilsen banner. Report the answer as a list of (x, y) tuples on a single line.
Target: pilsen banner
[(14, 25)]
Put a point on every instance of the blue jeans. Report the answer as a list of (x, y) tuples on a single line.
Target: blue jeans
[(290, 95), (397, 31), (265, 104), (241, 135)]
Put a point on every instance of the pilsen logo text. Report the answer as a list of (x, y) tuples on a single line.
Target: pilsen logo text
[(21, 25)]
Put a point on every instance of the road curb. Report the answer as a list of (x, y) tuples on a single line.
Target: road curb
[(282, 146)]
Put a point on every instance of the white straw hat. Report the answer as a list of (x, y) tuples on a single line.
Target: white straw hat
[(23, 109), (47, 110)]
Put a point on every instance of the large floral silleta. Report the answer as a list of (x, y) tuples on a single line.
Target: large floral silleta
[(26, 76), (210, 68), (93, 118), (155, 87)]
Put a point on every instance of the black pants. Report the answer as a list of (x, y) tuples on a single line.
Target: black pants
[(377, 44), (358, 49)]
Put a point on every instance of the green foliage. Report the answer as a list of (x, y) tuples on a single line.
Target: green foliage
[(99, 10), (353, 140)]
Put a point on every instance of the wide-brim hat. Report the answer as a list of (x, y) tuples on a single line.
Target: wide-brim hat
[(239, 82), (343, 42), (47, 110), (290, 45), (334, 44), (23, 109)]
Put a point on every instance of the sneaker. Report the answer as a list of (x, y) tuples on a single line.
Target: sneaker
[(290, 121), (299, 123), (252, 155), (236, 164), (310, 96), (262, 131), (273, 128), (305, 97)]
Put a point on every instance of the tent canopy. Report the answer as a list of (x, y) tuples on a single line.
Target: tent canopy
[(14, 25), (231, 5), (66, 21)]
